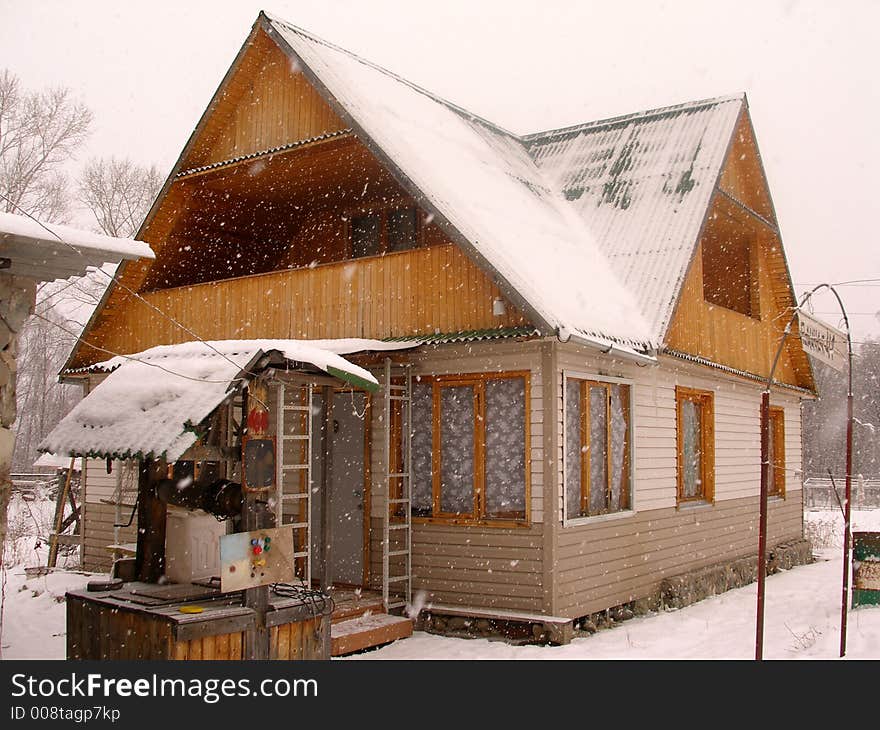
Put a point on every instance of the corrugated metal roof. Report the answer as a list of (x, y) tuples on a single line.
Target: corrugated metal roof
[(152, 402), (442, 338), (642, 184), (481, 180)]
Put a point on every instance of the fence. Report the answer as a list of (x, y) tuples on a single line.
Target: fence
[(819, 493)]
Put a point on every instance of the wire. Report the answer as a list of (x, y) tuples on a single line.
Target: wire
[(135, 359), (137, 296)]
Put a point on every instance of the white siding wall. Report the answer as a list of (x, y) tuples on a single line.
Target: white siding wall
[(737, 427)]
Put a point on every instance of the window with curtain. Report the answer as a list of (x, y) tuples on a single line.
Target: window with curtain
[(469, 447), (598, 449), (695, 420)]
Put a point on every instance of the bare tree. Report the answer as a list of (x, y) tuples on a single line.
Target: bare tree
[(119, 193), (39, 133)]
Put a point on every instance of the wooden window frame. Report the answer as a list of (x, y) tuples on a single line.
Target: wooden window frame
[(776, 488), (478, 515), (706, 400), (586, 381), (382, 210)]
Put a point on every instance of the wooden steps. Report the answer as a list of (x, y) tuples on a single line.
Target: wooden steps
[(367, 631)]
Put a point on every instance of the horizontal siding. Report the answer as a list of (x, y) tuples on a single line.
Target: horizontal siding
[(737, 428), (475, 566), (100, 533), (476, 357), (605, 564)]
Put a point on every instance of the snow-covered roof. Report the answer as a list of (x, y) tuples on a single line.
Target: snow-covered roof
[(54, 461), (642, 184), (481, 180), (152, 401), (48, 251)]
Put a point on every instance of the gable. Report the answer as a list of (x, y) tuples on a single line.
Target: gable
[(642, 184), (266, 102), (737, 296)]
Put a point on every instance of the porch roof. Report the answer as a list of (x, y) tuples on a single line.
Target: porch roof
[(153, 402)]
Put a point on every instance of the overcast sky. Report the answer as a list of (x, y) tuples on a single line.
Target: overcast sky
[(809, 68)]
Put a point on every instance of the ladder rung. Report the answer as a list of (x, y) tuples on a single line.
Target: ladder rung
[(396, 604), (396, 386), (303, 554), (294, 466), (395, 579), (294, 496), (399, 475), (395, 553), (399, 527), (298, 408), (295, 525), (399, 397), (295, 438), (401, 500)]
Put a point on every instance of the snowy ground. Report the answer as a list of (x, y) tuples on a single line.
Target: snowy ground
[(802, 616)]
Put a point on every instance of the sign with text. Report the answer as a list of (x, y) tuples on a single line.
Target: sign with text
[(822, 341)]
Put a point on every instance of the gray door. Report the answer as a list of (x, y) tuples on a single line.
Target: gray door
[(346, 488)]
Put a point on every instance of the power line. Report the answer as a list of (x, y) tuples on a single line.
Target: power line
[(113, 278)]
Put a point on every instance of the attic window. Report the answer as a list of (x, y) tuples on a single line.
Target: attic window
[(384, 231), (730, 267)]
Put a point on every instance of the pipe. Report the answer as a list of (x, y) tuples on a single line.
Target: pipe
[(605, 349), (222, 498)]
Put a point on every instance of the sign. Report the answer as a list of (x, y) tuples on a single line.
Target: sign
[(822, 341), (258, 558)]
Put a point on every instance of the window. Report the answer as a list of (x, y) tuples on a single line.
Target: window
[(597, 453), (384, 231), (730, 265), (470, 446), (776, 488), (696, 445)]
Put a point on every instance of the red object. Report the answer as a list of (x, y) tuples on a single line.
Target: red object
[(258, 550), (258, 420)]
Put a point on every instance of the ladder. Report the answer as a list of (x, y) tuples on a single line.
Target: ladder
[(293, 472), (397, 512)]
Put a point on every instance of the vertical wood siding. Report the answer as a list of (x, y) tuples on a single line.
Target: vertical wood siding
[(413, 292)]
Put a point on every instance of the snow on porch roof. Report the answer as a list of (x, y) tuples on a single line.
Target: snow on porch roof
[(50, 251), (483, 182), (152, 402)]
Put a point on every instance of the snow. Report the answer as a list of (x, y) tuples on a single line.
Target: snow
[(802, 619), (19, 226), (482, 180), (151, 400)]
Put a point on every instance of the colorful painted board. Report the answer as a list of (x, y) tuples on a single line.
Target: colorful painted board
[(258, 558)]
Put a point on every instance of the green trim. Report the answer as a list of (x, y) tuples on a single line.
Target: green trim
[(440, 338), (355, 380)]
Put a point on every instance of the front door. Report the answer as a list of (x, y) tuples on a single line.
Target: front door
[(346, 487)]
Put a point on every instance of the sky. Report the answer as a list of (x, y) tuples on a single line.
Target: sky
[(148, 70)]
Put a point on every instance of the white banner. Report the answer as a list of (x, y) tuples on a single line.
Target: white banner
[(822, 341)]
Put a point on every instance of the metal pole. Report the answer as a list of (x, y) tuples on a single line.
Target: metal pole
[(326, 481), (762, 530), (847, 525)]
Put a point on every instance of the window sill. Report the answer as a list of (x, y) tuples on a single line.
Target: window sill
[(595, 519), (459, 522), (694, 504)]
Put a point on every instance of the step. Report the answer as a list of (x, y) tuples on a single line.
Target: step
[(367, 631)]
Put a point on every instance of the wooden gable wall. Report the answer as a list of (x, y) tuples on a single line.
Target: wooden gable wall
[(741, 209), (302, 284), (267, 103)]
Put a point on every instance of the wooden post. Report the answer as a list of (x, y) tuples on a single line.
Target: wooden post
[(152, 513), (63, 490), (254, 517)]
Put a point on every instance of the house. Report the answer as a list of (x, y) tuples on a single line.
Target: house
[(32, 252), (585, 318)]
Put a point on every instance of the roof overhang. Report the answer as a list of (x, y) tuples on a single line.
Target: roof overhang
[(47, 251), (153, 404)]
